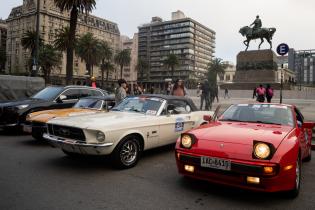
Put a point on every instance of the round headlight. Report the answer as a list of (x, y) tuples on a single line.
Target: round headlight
[(100, 136), (261, 150), (186, 141)]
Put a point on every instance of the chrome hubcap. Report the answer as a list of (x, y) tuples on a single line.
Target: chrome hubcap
[(129, 152), (297, 172)]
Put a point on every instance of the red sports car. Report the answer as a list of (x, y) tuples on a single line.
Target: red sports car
[(254, 146)]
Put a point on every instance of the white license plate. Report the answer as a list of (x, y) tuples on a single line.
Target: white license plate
[(217, 163), (27, 128)]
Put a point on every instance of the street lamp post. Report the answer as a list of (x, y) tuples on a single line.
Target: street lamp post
[(35, 60), (281, 84)]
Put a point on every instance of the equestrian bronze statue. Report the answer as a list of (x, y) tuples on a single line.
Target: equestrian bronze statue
[(257, 32)]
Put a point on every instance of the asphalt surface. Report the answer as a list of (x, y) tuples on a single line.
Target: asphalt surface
[(36, 176)]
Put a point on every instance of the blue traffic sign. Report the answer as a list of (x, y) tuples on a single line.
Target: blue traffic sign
[(282, 49)]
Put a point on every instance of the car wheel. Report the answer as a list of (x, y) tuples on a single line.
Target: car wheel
[(37, 135), (127, 153), (309, 157), (295, 191)]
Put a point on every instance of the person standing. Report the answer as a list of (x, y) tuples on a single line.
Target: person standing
[(261, 92), (226, 93), (269, 93), (120, 93), (93, 82), (205, 95), (178, 88)]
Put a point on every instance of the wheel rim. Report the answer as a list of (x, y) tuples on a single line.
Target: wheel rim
[(297, 173), (129, 152)]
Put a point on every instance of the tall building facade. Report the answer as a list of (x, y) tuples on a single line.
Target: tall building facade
[(23, 19), (302, 62), (3, 39), (192, 42), (130, 71)]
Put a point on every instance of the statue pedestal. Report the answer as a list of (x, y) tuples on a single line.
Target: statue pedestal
[(253, 68)]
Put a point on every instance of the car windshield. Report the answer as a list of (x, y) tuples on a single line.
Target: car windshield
[(146, 105), (259, 113), (49, 93), (89, 103)]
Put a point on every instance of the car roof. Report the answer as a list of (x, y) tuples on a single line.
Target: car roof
[(171, 97)]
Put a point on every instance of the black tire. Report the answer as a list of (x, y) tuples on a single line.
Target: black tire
[(298, 172), (37, 135), (127, 153)]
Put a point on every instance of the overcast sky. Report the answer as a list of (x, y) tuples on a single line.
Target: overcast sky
[(293, 19)]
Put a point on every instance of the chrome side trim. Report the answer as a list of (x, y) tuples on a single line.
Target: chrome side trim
[(60, 140)]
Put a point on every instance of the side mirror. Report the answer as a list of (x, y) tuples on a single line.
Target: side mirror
[(207, 118), (308, 125), (60, 98)]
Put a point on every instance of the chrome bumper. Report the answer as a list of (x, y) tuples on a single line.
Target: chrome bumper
[(56, 139)]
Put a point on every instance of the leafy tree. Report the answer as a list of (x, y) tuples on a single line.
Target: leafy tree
[(49, 57), (28, 42), (61, 41), (122, 59), (74, 6), (87, 48), (171, 62), (142, 67), (215, 67), (105, 55)]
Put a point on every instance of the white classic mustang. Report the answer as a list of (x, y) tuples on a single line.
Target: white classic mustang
[(138, 123)]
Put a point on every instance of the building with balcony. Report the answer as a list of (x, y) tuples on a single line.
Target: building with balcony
[(23, 19), (192, 42), (302, 62)]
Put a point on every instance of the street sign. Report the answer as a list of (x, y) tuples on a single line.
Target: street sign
[(282, 49)]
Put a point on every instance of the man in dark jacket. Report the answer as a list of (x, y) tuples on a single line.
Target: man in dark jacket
[(205, 95)]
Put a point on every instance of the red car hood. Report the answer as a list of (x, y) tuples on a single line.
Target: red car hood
[(235, 139), (242, 133)]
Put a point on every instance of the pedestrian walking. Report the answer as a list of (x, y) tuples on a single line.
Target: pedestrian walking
[(261, 92), (205, 96), (226, 93), (169, 88), (137, 90), (178, 88), (93, 82), (120, 92), (269, 93)]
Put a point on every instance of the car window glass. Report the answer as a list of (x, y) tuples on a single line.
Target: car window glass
[(89, 103), (96, 93), (72, 94), (85, 93), (49, 93), (180, 107)]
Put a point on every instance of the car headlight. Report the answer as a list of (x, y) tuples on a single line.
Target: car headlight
[(23, 106), (186, 141), (262, 150), (100, 136)]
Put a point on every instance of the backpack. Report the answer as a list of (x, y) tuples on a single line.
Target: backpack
[(270, 92)]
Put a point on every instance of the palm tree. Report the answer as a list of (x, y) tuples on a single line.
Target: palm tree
[(142, 67), (122, 59), (87, 48), (28, 42), (105, 55), (171, 62), (61, 41), (215, 68), (48, 58), (74, 6)]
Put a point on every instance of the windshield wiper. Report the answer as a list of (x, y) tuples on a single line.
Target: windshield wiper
[(265, 122), (231, 120)]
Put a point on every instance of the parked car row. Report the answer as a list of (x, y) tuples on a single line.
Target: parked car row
[(254, 146)]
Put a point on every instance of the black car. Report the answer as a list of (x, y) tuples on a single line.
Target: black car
[(13, 113)]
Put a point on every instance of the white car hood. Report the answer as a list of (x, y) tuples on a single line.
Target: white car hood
[(109, 120)]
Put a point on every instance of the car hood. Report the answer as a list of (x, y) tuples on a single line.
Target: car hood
[(106, 121), (29, 101), (242, 133), (44, 116)]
